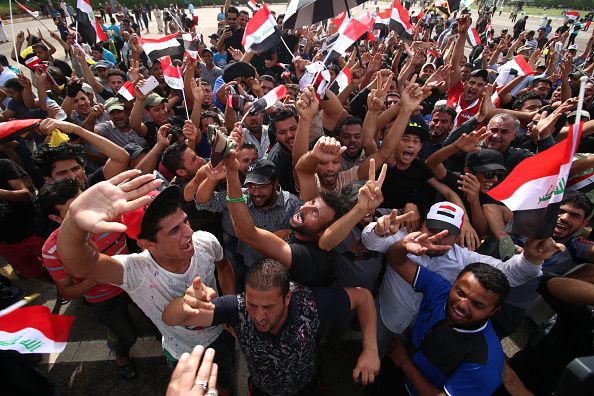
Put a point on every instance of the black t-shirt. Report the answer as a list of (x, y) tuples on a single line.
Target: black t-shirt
[(16, 217), (400, 186), (235, 40), (152, 128), (310, 265), (201, 220), (284, 168)]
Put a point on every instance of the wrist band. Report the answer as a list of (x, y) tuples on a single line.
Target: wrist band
[(242, 199)]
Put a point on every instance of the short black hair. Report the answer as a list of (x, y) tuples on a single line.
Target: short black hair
[(490, 278), (14, 83), (536, 81), (336, 202), (349, 120), (248, 146), (282, 113), (45, 156), (210, 114), (39, 46), (268, 77), (268, 274), (444, 108), (244, 12), (55, 193), (523, 98), (97, 47), (172, 156), (115, 72), (233, 10), (578, 200)]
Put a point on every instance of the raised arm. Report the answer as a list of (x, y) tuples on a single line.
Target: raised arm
[(326, 149), (369, 198), (265, 242), (137, 113), (307, 106), (94, 212), (118, 158), (458, 54)]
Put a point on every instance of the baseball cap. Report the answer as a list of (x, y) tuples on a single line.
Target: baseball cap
[(88, 89), (153, 100), (445, 216), (104, 64), (482, 73), (113, 104), (584, 115), (238, 69), (214, 36), (485, 160), (573, 47), (577, 74), (206, 50), (261, 171), (134, 150), (416, 129), (137, 220), (351, 191)]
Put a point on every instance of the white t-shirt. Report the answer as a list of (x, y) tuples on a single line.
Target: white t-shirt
[(152, 288)]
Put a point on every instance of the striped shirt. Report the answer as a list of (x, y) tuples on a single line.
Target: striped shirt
[(108, 243)]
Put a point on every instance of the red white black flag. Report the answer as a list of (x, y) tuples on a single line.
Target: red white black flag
[(534, 188), (400, 21), (261, 32), (88, 26)]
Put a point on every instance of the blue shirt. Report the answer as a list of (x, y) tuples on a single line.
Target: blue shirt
[(218, 82), (460, 361), (108, 56)]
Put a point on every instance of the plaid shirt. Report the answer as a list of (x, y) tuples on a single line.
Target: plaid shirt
[(271, 219)]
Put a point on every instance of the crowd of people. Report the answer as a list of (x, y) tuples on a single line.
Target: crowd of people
[(365, 207)]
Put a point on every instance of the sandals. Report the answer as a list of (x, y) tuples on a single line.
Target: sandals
[(127, 372)]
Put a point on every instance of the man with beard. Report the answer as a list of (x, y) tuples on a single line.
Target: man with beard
[(278, 324), (269, 206), (440, 126), (349, 133), (118, 129), (299, 252), (232, 35), (173, 256), (256, 133), (398, 303), (574, 213), (283, 124)]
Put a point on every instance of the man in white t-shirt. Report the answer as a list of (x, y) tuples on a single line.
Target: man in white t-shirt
[(173, 257)]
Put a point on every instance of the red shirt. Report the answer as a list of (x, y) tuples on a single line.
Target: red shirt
[(108, 243), (464, 110)]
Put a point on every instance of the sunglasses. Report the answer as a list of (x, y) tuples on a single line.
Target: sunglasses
[(492, 174)]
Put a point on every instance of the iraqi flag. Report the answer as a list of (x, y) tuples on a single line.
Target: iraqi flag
[(400, 21), (512, 69), (171, 74), (261, 32), (34, 330), (341, 21), (127, 91), (34, 14), (446, 7), (252, 5), (572, 15), (316, 74), (473, 37), (341, 81), (164, 46), (355, 28), (88, 26), (10, 130), (270, 99), (534, 188), (382, 18)]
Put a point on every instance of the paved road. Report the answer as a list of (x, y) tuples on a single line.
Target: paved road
[(86, 367)]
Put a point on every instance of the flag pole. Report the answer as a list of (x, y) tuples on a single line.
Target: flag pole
[(16, 54), (578, 115), (175, 20), (26, 300), (36, 18), (184, 95), (286, 46)]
